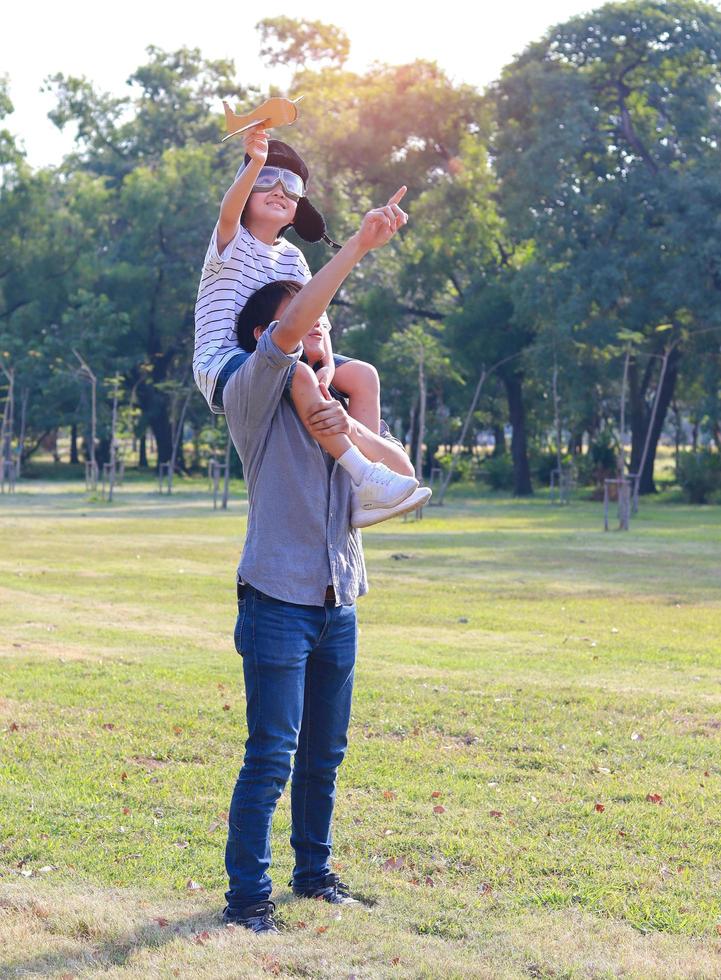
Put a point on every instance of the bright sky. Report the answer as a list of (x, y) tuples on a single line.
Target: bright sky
[(106, 42)]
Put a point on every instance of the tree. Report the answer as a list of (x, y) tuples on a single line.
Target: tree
[(607, 155), (287, 41)]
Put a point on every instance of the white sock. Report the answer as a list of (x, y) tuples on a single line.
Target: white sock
[(354, 462)]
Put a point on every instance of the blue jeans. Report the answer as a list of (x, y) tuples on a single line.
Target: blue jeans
[(298, 663)]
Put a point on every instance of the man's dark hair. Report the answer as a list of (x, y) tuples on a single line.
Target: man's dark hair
[(261, 309)]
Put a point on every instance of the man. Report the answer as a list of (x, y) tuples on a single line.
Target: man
[(299, 576)]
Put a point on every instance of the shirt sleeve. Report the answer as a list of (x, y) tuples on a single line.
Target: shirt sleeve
[(252, 394), (215, 260)]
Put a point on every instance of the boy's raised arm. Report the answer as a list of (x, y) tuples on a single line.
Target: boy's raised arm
[(236, 197), (377, 229)]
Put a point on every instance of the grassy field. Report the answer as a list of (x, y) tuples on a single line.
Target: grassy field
[(533, 786)]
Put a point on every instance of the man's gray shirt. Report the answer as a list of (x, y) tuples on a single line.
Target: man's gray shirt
[(299, 539)]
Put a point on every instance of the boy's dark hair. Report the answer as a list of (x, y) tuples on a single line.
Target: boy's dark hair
[(261, 309)]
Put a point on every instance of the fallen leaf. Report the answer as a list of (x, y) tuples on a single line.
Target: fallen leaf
[(301, 925), (193, 886), (497, 814), (177, 729), (226, 707), (321, 929), (201, 938), (162, 922), (654, 798), (126, 810), (414, 881), (428, 881), (439, 809), (485, 888), (393, 864), (388, 794), (182, 844), (123, 776), (14, 727), (622, 833), (214, 826), (108, 726), (599, 807), (436, 794), (395, 961), (718, 928), (707, 773)]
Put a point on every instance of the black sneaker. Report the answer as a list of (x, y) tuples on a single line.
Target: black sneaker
[(330, 889), (257, 918)]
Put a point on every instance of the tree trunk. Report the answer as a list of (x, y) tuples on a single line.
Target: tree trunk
[(513, 381), (641, 414), (499, 439), (142, 452), (423, 401), (155, 409), (74, 457)]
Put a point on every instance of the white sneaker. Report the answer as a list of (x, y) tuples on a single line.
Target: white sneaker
[(381, 487), (375, 514)]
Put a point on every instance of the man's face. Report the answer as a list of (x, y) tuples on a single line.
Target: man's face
[(271, 207), (313, 343)]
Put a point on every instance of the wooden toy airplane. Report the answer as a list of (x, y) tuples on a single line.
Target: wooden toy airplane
[(274, 112)]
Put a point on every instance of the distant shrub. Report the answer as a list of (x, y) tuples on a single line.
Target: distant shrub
[(543, 464), (466, 466), (699, 475), (603, 453), (497, 471)]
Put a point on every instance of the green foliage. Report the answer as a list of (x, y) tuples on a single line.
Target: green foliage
[(497, 471), (699, 475), (288, 41), (466, 466)]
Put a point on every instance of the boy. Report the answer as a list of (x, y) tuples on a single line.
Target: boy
[(246, 251)]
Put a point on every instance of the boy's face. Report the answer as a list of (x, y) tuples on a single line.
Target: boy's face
[(313, 343), (270, 208)]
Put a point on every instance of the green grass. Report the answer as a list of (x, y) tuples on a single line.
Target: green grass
[(533, 676)]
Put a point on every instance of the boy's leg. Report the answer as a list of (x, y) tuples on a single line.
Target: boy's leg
[(378, 492), (361, 383), (306, 396), (321, 746), (275, 639)]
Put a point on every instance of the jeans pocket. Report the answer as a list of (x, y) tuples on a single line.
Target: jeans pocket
[(238, 631)]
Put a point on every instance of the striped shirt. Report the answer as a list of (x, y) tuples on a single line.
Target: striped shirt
[(227, 281)]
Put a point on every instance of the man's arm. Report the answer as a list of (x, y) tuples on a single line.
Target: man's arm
[(377, 229), (332, 419), (236, 197)]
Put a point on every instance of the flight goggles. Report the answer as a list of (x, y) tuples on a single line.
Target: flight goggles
[(269, 177)]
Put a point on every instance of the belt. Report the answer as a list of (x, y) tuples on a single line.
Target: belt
[(241, 587)]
